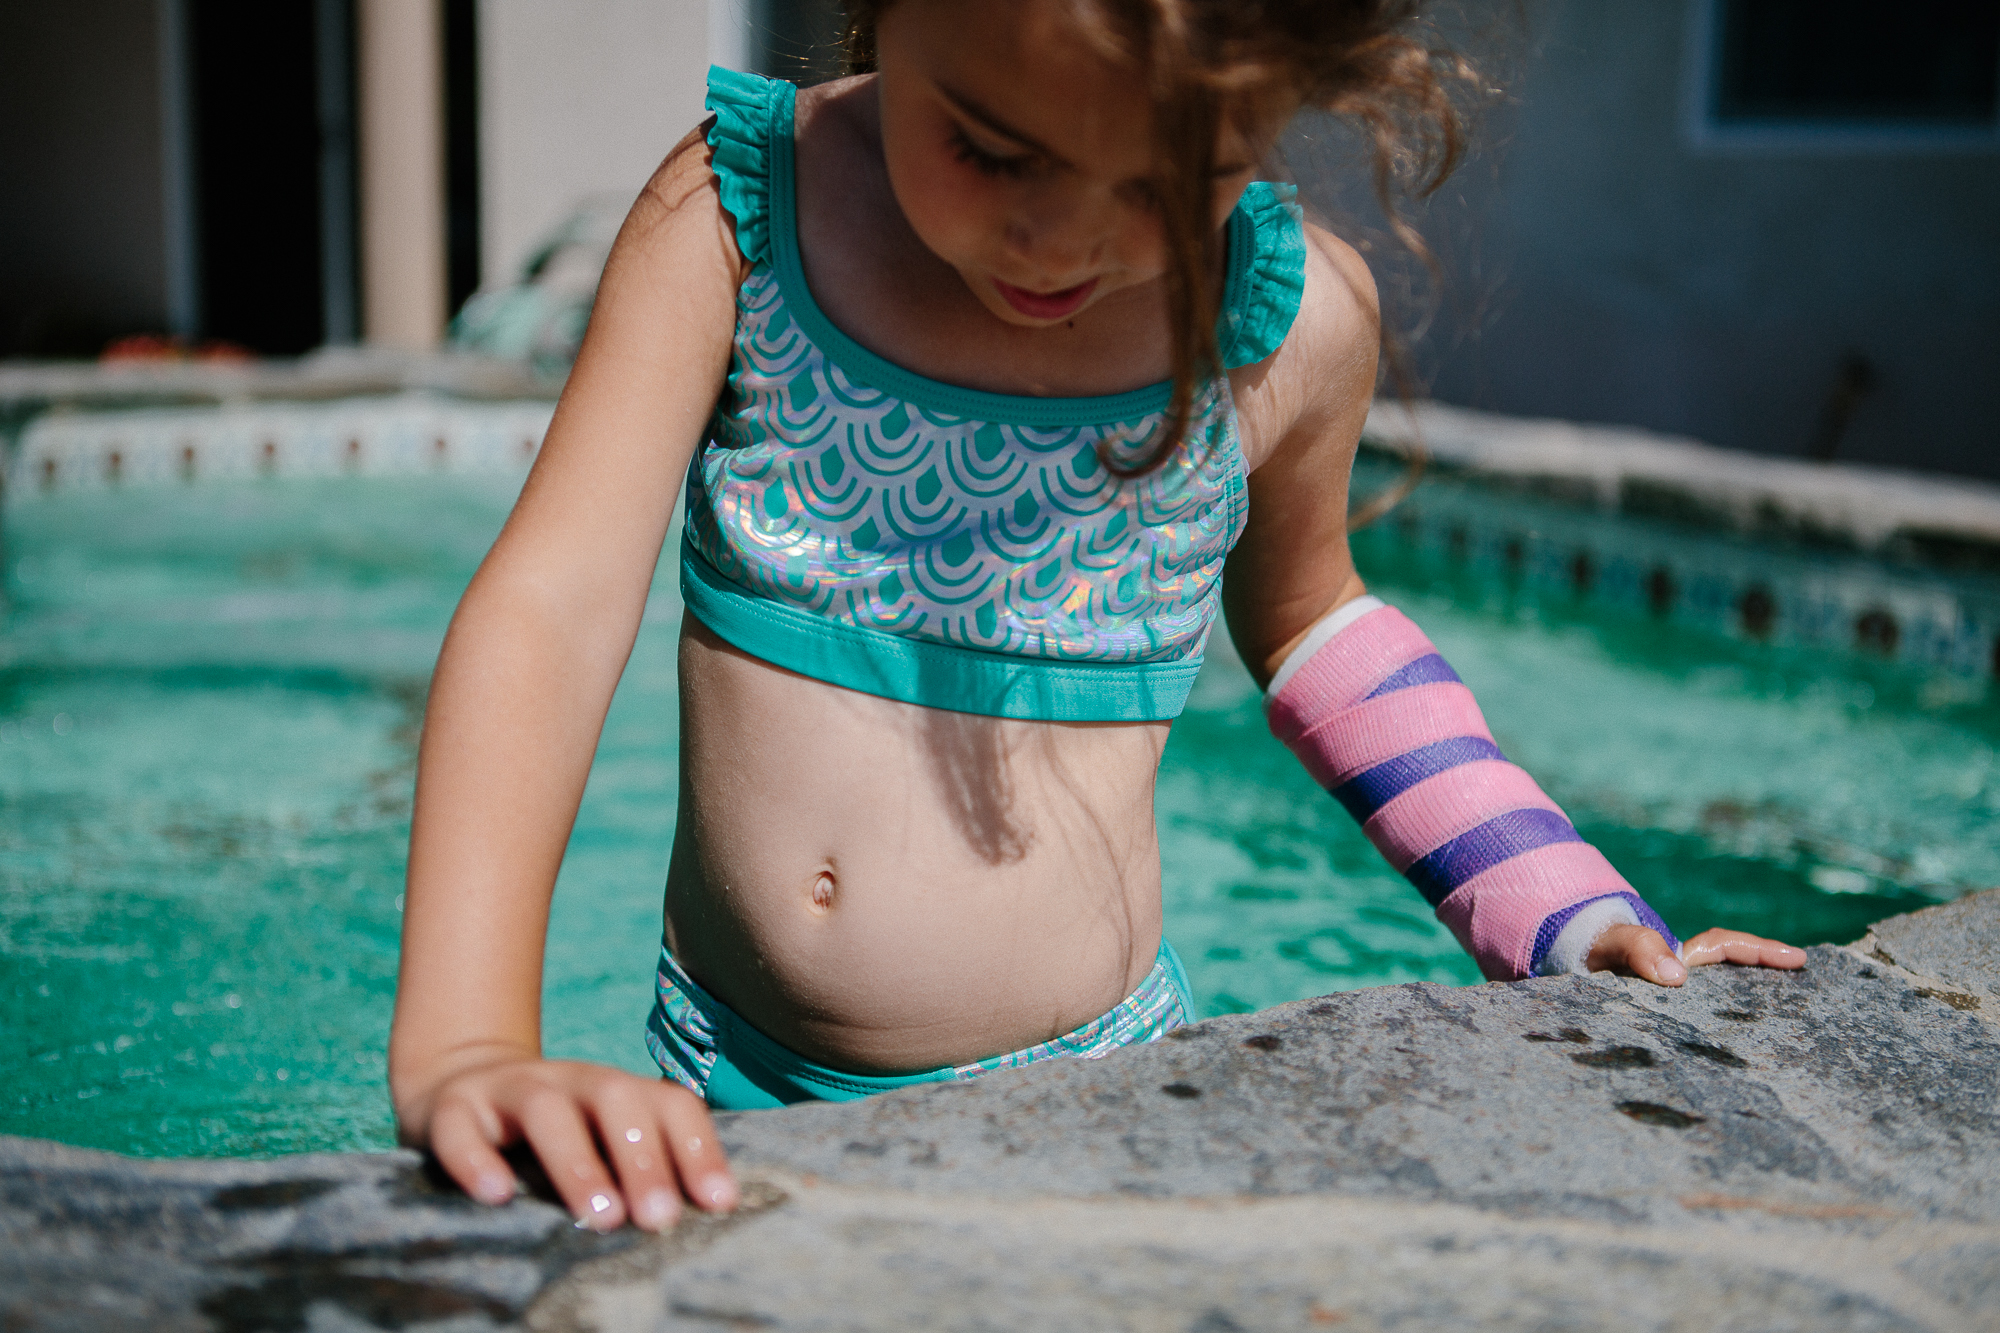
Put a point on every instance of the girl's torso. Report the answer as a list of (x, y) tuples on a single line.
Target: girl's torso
[(882, 885)]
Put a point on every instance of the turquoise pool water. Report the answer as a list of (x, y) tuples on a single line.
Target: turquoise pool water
[(208, 704)]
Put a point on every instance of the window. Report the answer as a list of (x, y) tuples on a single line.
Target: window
[(1846, 73)]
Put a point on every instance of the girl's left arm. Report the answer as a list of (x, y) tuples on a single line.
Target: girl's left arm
[(1378, 717)]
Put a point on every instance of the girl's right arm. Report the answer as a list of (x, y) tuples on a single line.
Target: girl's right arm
[(515, 710)]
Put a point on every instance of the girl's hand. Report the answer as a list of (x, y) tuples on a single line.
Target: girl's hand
[(658, 1136), (1641, 952)]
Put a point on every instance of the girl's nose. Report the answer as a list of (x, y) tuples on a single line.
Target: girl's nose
[(1060, 237)]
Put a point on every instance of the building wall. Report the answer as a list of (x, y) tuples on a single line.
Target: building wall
[(1631, 274), (577, 99), (80, 176)]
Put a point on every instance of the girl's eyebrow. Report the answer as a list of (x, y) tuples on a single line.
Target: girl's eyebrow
[(973, 111)]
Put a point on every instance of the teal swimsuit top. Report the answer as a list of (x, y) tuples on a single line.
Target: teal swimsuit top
[(916, 540)]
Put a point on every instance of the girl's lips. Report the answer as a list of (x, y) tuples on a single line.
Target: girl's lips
[(1045, 305)]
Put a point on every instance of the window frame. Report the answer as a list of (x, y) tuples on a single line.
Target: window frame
[(1705, 132)]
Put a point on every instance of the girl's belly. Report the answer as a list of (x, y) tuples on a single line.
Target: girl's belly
[(884, 887)]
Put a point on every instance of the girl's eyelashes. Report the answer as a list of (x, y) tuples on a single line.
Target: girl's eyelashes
[(989, 164)]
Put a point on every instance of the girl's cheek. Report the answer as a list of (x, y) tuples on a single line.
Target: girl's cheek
[(1141, 249), (954, 218)]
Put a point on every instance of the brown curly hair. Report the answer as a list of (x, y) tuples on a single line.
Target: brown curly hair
[(1373, 63)]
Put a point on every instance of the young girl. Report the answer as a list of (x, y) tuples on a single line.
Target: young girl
[(984, 362)]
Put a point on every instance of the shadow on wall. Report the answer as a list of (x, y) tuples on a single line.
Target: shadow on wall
[(541, 317)]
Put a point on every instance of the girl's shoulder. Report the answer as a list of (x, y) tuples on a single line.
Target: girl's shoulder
[(1339, 306), (1323, 372), (754, 124), (750, 118)]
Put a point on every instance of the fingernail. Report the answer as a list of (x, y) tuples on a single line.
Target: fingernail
[(599, 1217), (492, 1187), (656, 1211), (720, 1192), (1669, 972)]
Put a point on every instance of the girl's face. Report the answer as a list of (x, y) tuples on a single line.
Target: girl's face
[(1023, 159)]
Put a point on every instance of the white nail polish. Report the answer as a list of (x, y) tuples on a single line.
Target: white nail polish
[(600, 1204)]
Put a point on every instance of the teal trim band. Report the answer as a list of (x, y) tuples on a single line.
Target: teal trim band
[(1177, 974), (751, 1072), (936, 675), (755, 1073)]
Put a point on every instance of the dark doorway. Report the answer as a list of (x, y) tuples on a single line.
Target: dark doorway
[(271, 113), (461, 150), (256, 113)]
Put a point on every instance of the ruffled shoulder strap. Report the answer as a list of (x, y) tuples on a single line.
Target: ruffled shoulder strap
[(1267, 274), (750, 116)]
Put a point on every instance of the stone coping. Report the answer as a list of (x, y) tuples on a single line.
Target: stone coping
[(1934, 602), (1754, 1150), (331, 372), (407, 431), (1947, 521), (1952, 522)]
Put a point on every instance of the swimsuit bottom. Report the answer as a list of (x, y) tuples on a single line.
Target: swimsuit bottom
[(707, 1047)]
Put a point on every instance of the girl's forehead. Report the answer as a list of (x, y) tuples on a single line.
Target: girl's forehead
[(1026, 69)]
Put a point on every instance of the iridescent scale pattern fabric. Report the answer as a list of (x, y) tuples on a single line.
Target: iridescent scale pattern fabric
[(830, 495)]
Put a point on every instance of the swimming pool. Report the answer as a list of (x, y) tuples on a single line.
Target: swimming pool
[(209, 697)]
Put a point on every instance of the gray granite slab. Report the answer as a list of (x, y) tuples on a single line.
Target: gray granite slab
[(1815, 1150), (832, 1257), (1589, 1098), (93, 1241), (1957, 943)]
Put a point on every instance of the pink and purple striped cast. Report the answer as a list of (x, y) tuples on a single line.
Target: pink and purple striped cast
[(1382, 721)]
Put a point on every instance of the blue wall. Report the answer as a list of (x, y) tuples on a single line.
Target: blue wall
[(1608, 264)]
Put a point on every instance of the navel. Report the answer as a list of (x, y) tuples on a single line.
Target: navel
[(822, 891)]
